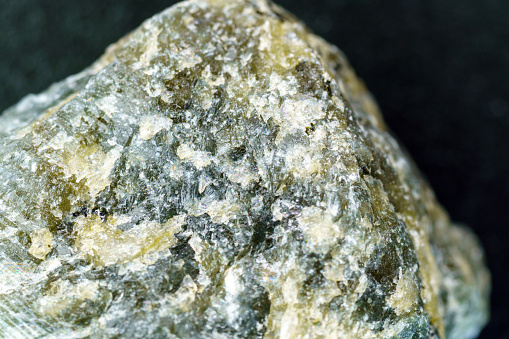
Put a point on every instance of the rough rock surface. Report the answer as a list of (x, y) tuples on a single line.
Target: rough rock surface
[(222, 173)]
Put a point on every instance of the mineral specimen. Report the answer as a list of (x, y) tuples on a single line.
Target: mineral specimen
[(222, 173)]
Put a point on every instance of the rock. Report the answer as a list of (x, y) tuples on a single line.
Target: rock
[(222, 173)]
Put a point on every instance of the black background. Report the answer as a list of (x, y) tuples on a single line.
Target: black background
[(438, 68)]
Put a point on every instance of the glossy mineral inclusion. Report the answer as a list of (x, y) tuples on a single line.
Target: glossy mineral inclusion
[(222, 173)]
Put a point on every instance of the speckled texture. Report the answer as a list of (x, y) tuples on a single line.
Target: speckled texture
[(222, 173)]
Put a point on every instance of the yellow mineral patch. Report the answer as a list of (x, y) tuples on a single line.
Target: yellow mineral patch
[(295, 114), (233, 281), (319, 229), (283, 86), (59, 140), (430, 274), (203, 182), (152, 124), (105, 244), (241, 174), (212, 80), (90, 163), (300, 113), (151, 48), (283, 52), (303, 162), (107, 105), (289, 324), (55, 108), (220, 211), (188, 58), (334, 271), (41, 243), (430, 286), (49, 112), (63, 296), (181, 300), (199, 159), (406, 297)]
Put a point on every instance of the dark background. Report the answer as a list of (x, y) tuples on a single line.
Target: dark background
[(438, 68)]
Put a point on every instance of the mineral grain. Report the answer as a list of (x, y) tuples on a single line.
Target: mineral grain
[(222, 173)]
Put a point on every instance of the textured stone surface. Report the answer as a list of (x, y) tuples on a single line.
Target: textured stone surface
[(222, 173)]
